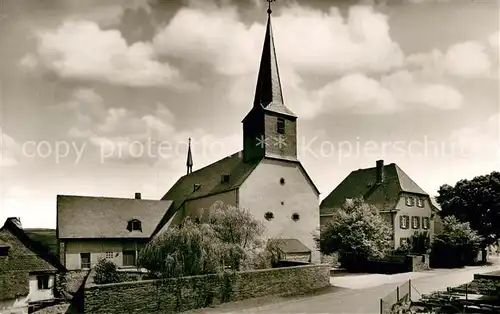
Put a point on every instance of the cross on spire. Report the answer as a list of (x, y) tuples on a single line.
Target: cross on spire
[(269, 11)]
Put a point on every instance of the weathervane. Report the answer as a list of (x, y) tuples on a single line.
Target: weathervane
[(269, 11)]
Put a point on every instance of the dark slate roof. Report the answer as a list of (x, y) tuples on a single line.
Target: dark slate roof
[(25, 256), (210, 180), (288, 246), (106, 217), (435, 203), (362, 183), (268, 92)]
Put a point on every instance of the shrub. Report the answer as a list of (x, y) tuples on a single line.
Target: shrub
[(420, 242), (230, 239), (357, 233), (457, 245), (185, 250), (106, 272)]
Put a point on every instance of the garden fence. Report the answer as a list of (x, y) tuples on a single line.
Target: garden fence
[(400, 294)]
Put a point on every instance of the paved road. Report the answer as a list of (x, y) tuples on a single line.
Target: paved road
[(358, 299)]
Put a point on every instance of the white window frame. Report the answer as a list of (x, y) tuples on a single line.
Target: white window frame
[(420, 202), (404, 240), (410, 201), (404, 222), (42, 278), (89, 263), (426, 223), (415, 222)]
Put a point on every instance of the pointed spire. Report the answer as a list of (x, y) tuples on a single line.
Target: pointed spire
[(189, 162), (268, 83)]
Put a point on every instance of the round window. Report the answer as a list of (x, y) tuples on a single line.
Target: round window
[(295, 217), (268, 216)]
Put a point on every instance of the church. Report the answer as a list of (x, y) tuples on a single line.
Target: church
[(265, 178)]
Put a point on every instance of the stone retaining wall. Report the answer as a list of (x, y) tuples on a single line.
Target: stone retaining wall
[(186, 293)]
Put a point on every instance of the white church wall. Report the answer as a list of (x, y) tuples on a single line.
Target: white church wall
[(262, 192)]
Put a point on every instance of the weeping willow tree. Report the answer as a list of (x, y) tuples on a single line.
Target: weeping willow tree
[(230, 238), (185, 250)]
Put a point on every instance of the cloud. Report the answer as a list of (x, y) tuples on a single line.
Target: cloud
[(360, 94), (8, 149), (407, 89), (481, 141), (426, 1), (493, 39), (357, 49), (116, 134), (315, 42), (104, 14), (467, 60), (357, 93), (82, 50)]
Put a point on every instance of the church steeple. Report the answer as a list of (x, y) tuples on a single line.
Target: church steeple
[(189, 162), (268, 83), (270, 128)]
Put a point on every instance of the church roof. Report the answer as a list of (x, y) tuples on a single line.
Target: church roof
[(209, 180), (268, 92), (362, 183), (89, 217)]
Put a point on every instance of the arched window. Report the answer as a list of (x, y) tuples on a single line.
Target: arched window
[(295, 217)]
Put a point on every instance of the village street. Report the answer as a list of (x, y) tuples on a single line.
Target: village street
[(357, 293)]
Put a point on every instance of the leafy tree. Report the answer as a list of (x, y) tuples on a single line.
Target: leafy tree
[(238, 230), (230, 238), (476, 201), (457, 245), (106, 272), (236, 226), (185, 250), (356, 230), (459, 234)]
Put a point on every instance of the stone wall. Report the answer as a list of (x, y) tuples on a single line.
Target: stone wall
[(418, 262), (186, 293)]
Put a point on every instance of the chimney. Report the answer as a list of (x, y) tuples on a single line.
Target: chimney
[(380, 171), (137, 196), (16, 221)]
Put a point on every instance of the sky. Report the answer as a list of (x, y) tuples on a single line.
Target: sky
[(99, 98)]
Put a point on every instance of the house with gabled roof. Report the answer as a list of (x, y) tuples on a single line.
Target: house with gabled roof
[(90, 228), (27, 269), (405, 205), (266, 177), (438, 222)]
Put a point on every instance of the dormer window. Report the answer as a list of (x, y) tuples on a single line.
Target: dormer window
[(410, 201), (196, 187), (134, 225), (280, 126), (4, 250), (420, 202), (225, 178)]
